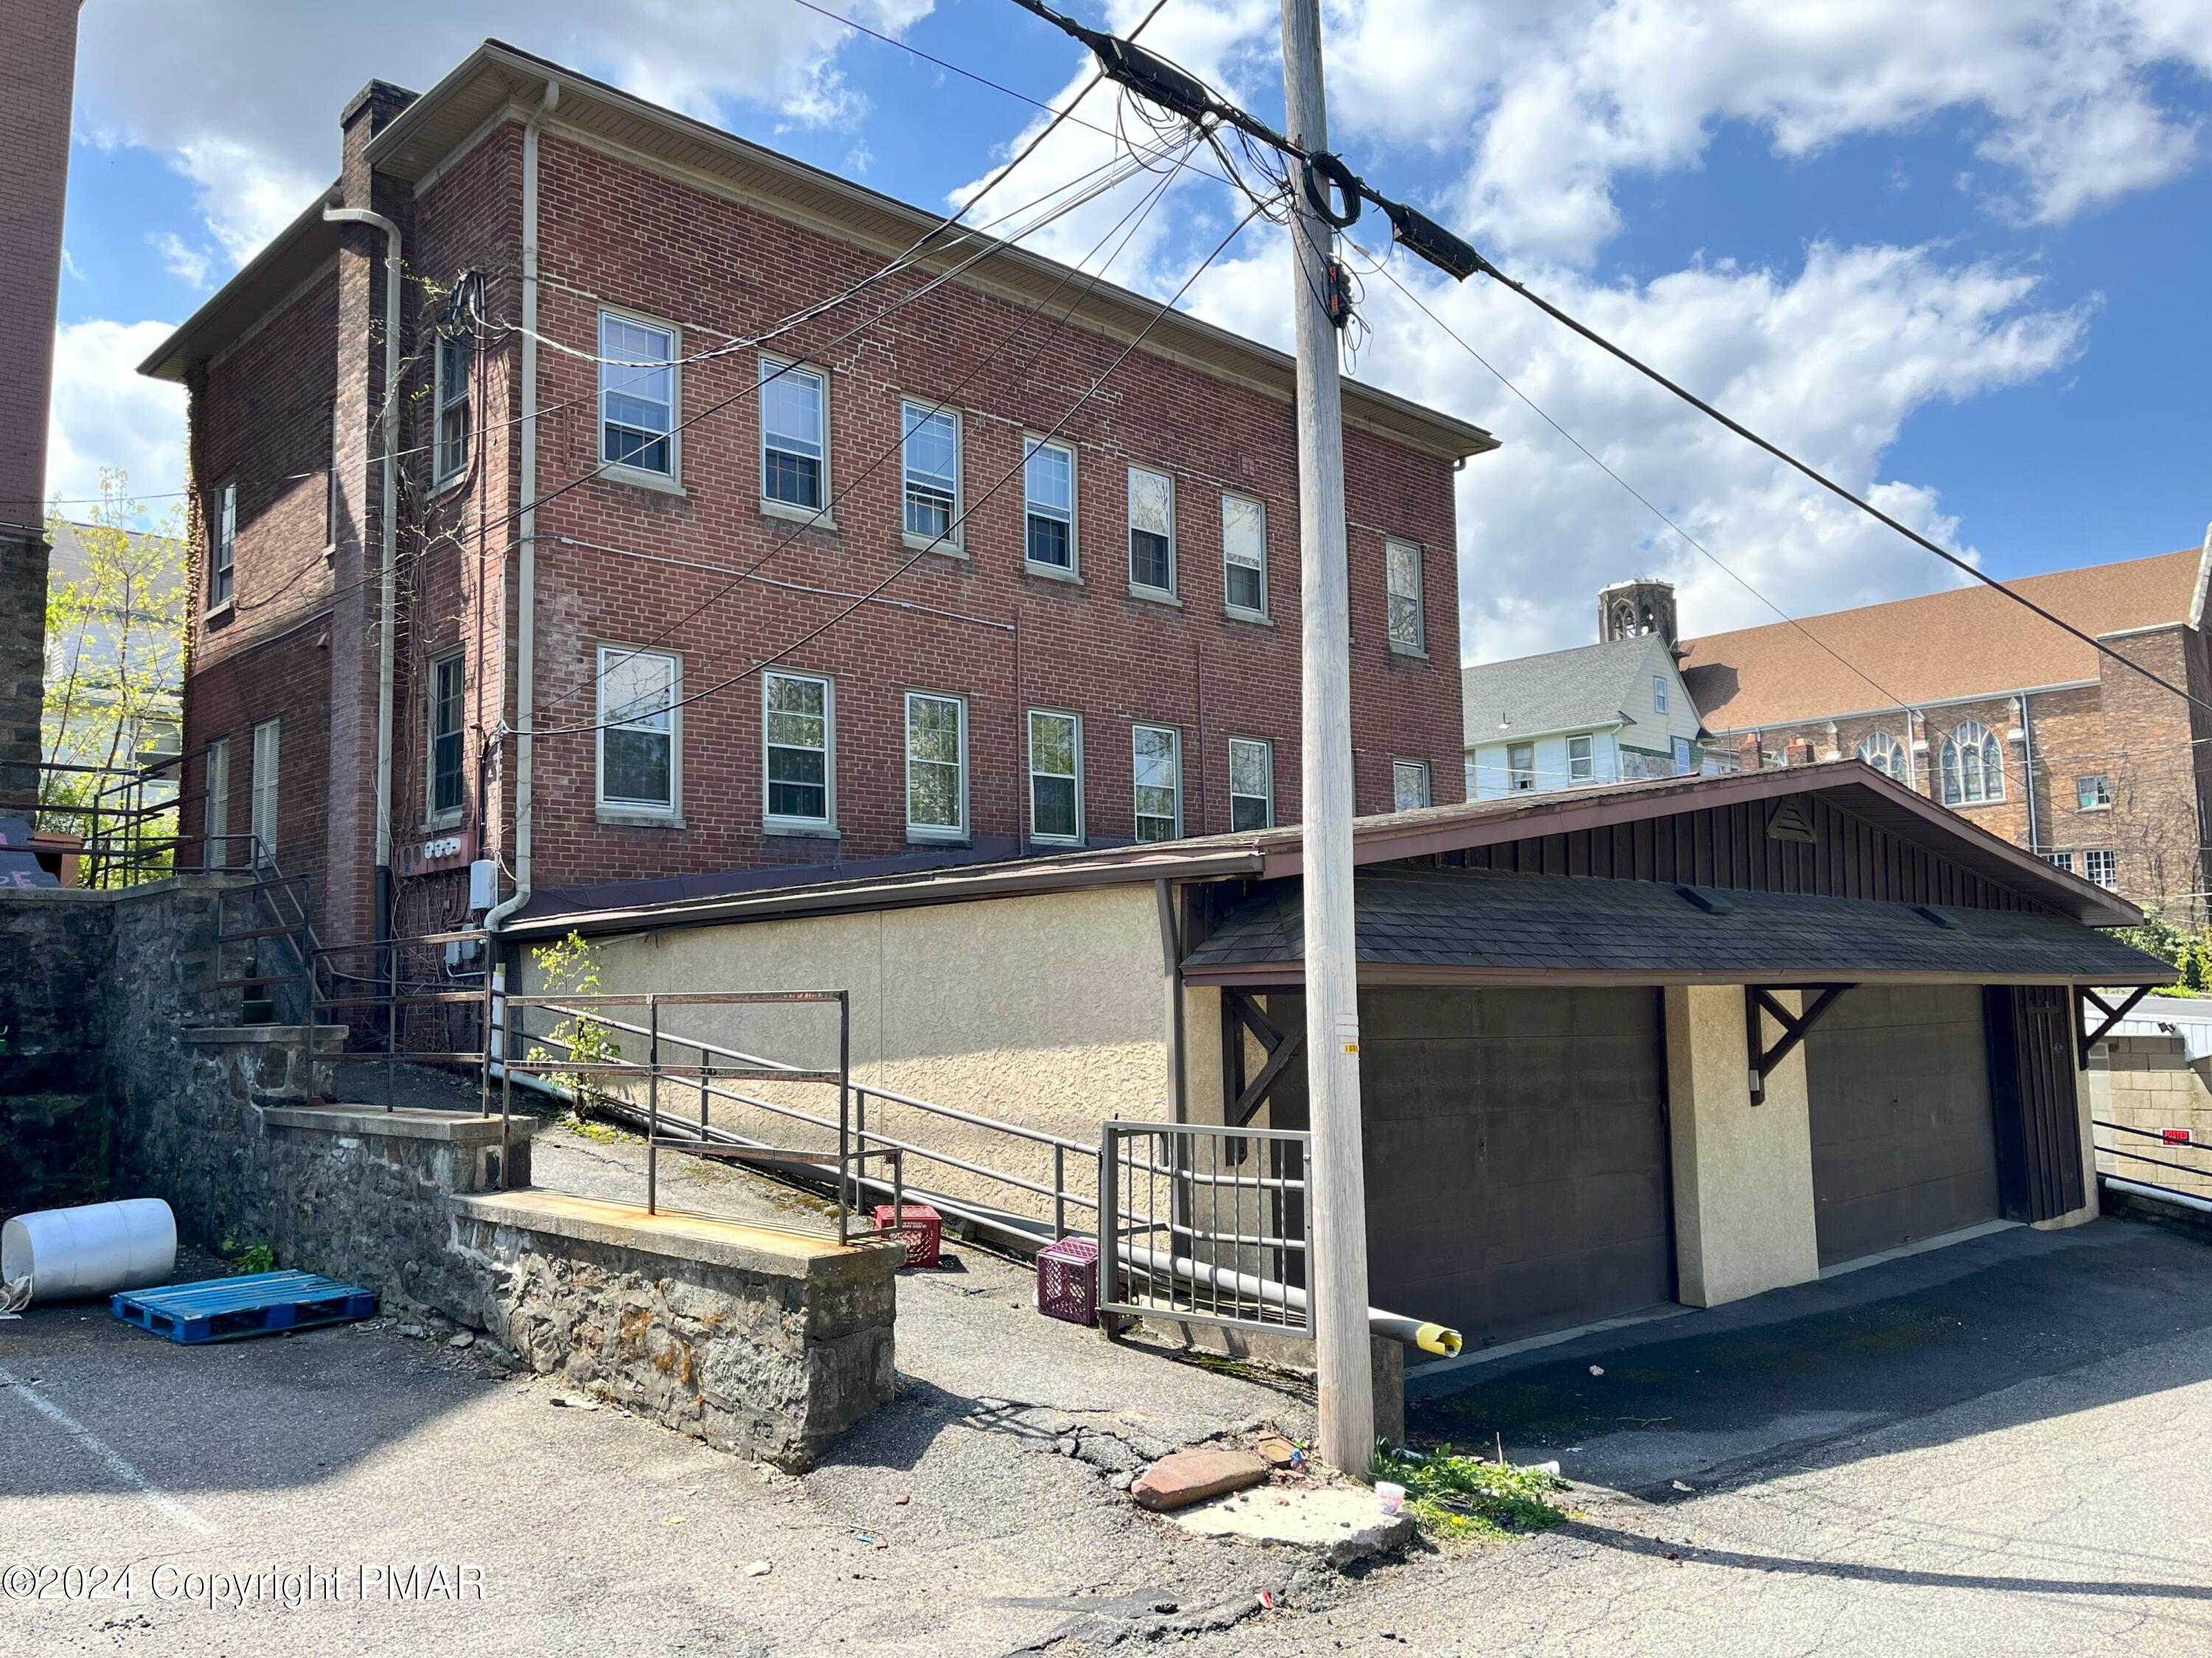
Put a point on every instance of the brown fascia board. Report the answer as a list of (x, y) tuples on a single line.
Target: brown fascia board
[(1291, 975), (293, 255), (1863, 791), (498, 77), (1013, 880)]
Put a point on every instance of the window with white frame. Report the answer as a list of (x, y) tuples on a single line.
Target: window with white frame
[(1055, 775), (1971, 767), (447, 758), (1244, 555), (1409, 784), (2102, 865), (222, 551), (2060, 860), (795, 436), (638, 729), (936, 766), (1409, 615), (931, 436), (1884, 753), (1251, 783), (215, 810), (450, 441), (798, 716), (1658, 694), (1582, 758), (1152, 530), (637, 394), (1520, 766), (2093, 792), (262, 822), (1156, 752), (1048, 510), (1685, 762)]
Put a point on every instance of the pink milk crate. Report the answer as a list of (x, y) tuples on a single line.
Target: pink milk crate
[(918, 1226), (1067, 1280)]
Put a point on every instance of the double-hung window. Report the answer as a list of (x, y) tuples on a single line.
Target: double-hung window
[(794, 437), (1409, 784), (223, 550), (936, 766), (263, 805), (1520, 766), (2102, 865), (1152, 530), (638, 730), (215, 811), (796, 714), (932, 439), (1581, 759), (451, 442), (1251, 784), (1055, 775), (1408, 617), (1243, 556), (446, 742), (637, 394), (2093, 792), (1048, 491), (1157, 751)]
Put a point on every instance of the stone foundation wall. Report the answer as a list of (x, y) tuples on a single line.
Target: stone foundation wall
[(763, 1344)]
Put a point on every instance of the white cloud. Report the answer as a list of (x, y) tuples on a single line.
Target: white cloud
[(1567, 98), (105, 413), (187, 264), (1829, 360), (244, 97)]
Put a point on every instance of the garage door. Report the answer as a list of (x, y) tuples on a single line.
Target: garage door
[(1904, 1141), (1516, 1156)]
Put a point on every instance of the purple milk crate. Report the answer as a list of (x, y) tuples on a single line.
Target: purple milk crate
[(1067, 1280)]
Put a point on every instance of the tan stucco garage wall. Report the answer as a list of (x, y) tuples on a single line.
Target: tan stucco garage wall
[(1743, 1173), (1046, 1010)]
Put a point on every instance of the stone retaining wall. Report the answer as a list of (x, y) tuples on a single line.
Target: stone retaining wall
[(2149, 1083), (764, 1343)]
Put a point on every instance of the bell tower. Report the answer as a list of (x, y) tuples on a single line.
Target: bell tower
[(1627, 609)]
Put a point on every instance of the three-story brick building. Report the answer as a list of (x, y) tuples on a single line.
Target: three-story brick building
[(680, 589)]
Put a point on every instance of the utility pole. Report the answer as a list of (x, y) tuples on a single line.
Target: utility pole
[(1336, 1177)]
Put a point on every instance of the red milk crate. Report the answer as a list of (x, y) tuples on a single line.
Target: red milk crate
[(1067, 1280), (920, 1227)]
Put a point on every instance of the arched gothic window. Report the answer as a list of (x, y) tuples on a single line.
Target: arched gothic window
[(1884, 753), (1972, 766)]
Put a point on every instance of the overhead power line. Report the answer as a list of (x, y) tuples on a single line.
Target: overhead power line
[(1334, 192)]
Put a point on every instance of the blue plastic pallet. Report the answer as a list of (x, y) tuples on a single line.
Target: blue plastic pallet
[(227, 1309)]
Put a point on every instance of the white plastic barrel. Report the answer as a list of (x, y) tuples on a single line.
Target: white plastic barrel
[(92, 1250)]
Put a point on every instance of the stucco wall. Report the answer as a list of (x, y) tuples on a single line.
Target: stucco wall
[(1743, 1173), (1045, 1011)]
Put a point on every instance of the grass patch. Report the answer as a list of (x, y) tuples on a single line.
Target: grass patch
[(1465, 1499), (592, 1129)]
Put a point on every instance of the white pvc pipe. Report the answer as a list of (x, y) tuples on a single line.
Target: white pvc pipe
[(2162, 1194), (91, 1250)]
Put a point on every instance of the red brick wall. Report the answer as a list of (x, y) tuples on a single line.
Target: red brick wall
[(979, 627), (2147, 743)]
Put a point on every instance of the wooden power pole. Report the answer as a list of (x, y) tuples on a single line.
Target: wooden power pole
[(1336, 1173)]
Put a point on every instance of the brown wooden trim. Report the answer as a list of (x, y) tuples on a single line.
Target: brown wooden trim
[(1758, 1005), (2085, 998), (1285, 975)]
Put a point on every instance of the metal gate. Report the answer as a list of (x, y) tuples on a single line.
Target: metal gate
[(1208, 1224)]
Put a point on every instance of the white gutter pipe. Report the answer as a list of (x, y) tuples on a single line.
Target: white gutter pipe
[(525, 604), (387, 585)]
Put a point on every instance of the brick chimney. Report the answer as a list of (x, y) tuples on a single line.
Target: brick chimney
[(1748, 754), (1798, 751), (34, 141)]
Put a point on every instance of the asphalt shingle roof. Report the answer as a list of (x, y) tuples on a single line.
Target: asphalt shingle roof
[(1590, 687), (1486, 918)]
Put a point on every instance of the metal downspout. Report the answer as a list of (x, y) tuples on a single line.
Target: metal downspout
[(388, 576), (526, 623)]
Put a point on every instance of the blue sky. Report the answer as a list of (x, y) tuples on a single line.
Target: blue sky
[(1956, 255)]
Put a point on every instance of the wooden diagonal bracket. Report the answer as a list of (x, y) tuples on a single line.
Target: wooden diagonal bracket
[(1760, 1005), (2085, 998), (1240, 1013)]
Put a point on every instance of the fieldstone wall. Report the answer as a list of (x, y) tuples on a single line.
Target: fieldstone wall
[(55, 948), (760, 1343)]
